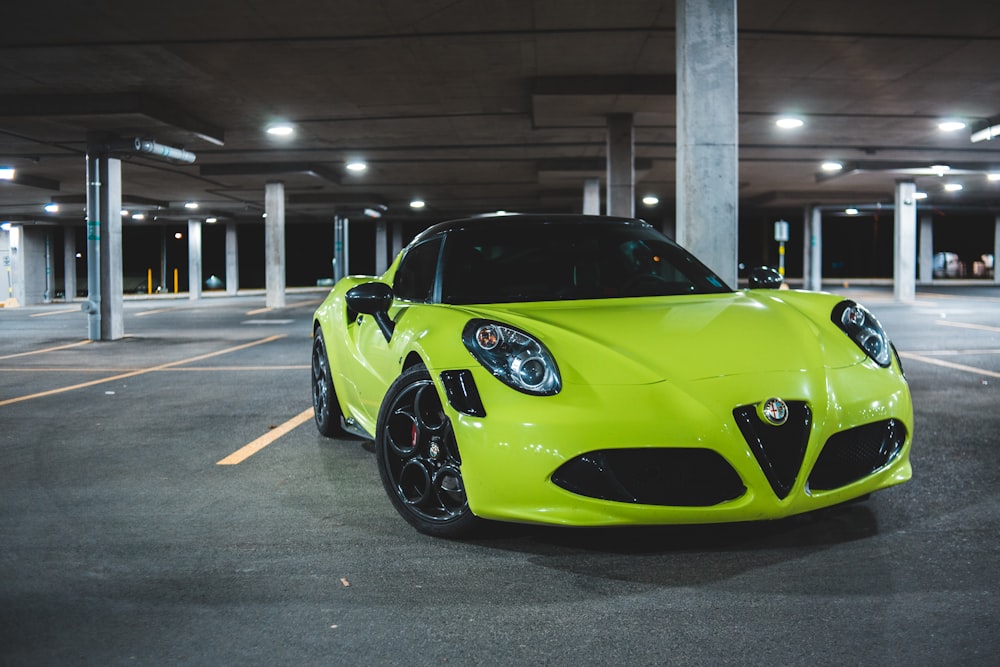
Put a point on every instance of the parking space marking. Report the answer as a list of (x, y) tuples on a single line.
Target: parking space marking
[(949, 364), (48, 349), (61, 311), (966, 325), (248, 450), (141, 371)]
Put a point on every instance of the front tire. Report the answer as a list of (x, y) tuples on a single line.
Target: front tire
[(418, 458), (326, 409)]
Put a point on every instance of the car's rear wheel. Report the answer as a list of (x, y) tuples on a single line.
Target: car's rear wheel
[(418, 458), (326, 409)]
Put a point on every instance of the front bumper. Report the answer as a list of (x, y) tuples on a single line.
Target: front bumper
[(511, 455)]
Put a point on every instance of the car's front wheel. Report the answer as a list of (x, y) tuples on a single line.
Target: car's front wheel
[(326, 409), (418, 458)]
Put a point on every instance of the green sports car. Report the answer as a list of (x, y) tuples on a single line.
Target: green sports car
[(585, 371)]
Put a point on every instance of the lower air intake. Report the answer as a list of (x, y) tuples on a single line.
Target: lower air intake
[(684, 477), (856, 453)]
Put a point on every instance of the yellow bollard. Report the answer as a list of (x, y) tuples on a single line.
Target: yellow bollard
[(149, 281), (175, 281)]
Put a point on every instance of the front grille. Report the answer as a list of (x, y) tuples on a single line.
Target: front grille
[(778, 449), (855, 453), (685, 477)]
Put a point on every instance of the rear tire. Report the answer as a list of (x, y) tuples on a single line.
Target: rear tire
[(419, 461), (326, 409)]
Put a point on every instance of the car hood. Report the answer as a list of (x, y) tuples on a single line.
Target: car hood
[(685, 338)]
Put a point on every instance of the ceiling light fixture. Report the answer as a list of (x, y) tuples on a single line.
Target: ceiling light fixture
[(281, 130), (191, 205), (851, 211), (650, 200), (139, 216), (920, 195), (418, 204), (952, 187), (951, 125), (940, 169), (789, 122), (985, 131), (357, 166), (832, 166), (211, 221), (6, 173), (52, 208), (993, 176)]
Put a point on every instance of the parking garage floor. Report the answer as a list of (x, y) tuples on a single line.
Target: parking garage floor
[(123, 540)]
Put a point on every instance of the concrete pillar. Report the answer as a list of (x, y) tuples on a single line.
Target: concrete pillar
[(996, 249), (707, 133), (7, 277), (69, 263), (112, 290), (592, 196), (274, 244), (194, 260), (905, 243), (926, 262), (621, 166), (397, 240), (381, 247), (232, 260), (812, 249), (26, 282)]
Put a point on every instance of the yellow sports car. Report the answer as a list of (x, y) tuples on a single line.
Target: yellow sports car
[(586, 370)]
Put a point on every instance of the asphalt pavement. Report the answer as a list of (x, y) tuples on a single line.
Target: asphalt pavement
[(123, 540)]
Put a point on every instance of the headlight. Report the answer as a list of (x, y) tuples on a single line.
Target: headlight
[(864, 330), (516, 358)]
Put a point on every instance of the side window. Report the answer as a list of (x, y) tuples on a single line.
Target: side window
[(415, 275)]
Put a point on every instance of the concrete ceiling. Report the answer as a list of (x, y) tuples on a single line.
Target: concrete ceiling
[(476, 106)]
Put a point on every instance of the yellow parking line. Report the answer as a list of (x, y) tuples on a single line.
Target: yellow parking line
[(949, 364), (245, 452), (61, 311), (966, 325), (48, 349), (141, 371)]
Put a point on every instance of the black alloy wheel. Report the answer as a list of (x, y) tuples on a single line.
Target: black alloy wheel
[(418, 458), (326, 409)]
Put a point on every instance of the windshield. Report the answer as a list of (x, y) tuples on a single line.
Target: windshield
[(555, 261)]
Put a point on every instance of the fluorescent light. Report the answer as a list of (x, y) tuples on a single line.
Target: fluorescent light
[(940, 169), (851, 211), (191, 205), (993, 176), (650, 200), (139, 216), (951, 125), (920, 195), (5, 226), (52, 208), (952, 187), (357, 166), (6, 173), (281, 130), (124, 213), (418, 203), (789, 122), (211, 220), (986, 133), (832, 166)]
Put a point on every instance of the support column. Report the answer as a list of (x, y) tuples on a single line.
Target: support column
[(812, 250), (194, 260), (905, 243), (17, 290), (592, 196), (621, 166), (381, 247), (232, 260), (996, 249), (69, 263), (707, 133), (112, 290), (339, 257), (926, 261), (274, 244)]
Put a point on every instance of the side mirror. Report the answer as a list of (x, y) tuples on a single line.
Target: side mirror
[(764, 277), (373, 299)]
